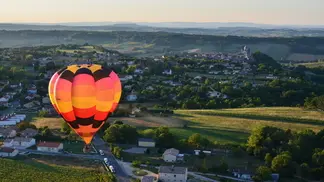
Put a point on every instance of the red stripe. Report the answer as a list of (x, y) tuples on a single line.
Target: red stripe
[(83, 79), (84, 113), (100, 116), (69, 116)]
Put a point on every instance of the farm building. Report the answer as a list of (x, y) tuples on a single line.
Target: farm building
[(8, 152), (19, 142), (171, 173), (50, 146), (170, 155), (146, 142)]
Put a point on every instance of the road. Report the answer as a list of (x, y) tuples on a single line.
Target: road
[(102, 145)]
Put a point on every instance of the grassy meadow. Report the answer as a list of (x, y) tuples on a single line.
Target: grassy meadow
[(234, 125)]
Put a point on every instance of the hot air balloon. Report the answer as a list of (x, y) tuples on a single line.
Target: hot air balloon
[(84, 96)]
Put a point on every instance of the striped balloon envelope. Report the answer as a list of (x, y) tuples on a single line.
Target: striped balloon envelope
[(84, 95)]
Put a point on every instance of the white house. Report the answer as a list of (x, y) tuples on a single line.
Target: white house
[(167, 72), (138, 71), (146, 142), (50, 146), (174, 174), (213, 94), (4, 101), (170, 155), (19, 142), (8, 152), (131, 97), (126, 78)]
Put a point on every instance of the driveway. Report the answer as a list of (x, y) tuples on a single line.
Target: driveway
[(129, 170)]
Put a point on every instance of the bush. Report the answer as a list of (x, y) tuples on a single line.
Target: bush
[(136, 163)]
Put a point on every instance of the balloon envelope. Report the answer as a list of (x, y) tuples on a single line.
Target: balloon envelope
[(84, 95)]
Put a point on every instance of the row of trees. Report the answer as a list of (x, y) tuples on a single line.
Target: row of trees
[(289, 153)]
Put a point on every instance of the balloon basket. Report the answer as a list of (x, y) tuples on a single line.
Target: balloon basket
[(86, 148)]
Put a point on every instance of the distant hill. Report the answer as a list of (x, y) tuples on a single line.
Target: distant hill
[(156, 43), (223, 29)]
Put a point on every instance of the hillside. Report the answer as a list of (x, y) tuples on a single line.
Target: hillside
[(35, 171), (234, 125), (159, 43)]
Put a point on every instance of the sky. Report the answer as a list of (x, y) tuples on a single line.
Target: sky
[(292, 12)]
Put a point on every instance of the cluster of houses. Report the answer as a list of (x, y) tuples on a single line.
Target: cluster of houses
[(11, 119), (15, 140), (6, 96)]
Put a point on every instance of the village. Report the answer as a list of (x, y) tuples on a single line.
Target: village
[(147, 83)]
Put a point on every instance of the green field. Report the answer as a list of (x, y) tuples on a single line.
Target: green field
[(234, 125), (34, 170), (313, 64)]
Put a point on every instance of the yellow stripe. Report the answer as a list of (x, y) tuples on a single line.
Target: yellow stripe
[(73, 68), (104, 106), (95, 67), (64, 107), (83, 102)]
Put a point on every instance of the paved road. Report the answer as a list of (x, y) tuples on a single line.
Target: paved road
[(101, 145), (197, 176)]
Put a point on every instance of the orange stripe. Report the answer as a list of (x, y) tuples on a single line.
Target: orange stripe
[(84, 113), (83, 79), (83, 90), (107, 95), (63, 96)]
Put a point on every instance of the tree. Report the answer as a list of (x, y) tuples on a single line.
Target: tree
[(24, 125), (117, 152), (282, 164), (118, 122), (263, 173), (318, 157), (42, 113), (304, 170), (268, 159), (136, 163), (197, 141), (121, 133), (65, 128), (163, 137)]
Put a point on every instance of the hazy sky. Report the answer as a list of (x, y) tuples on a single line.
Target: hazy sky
[(256, 11)]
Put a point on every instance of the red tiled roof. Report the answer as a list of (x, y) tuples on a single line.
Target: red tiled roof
[(48, 144), (6, 149)]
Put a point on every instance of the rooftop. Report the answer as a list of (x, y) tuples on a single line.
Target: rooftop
[(145, 140), (147, 179), (171, 151), (6, 149), (49, 144), (172, 170)]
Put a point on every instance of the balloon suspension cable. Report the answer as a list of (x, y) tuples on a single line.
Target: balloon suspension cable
[(86, 148)]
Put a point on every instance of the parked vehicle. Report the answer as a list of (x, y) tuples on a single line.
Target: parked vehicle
[(111, 168), (101, 152)]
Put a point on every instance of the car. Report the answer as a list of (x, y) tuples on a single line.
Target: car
[(111, 168), (101, 152)]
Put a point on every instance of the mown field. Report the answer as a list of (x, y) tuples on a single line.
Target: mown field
[(235, 125), (43, 170), (223, 125)]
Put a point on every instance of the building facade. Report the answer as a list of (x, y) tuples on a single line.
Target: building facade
[(174, 174)]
